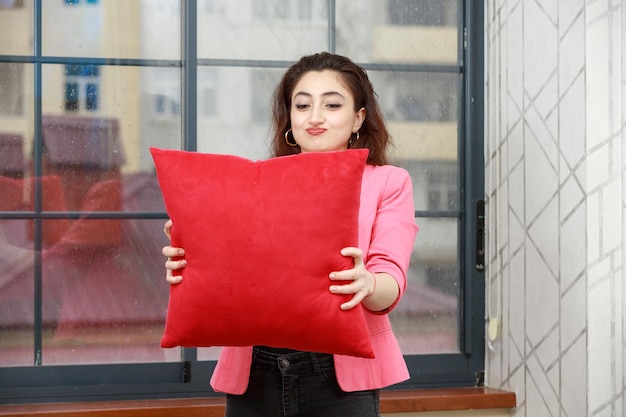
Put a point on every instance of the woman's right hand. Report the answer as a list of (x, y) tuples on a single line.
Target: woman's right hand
[(172, 252)]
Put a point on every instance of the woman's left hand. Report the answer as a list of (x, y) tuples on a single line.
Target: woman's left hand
[(363, 282)]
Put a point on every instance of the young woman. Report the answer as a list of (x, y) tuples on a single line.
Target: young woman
[(323, 103)]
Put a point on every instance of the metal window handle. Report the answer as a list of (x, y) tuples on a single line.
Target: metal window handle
[(480, 235)]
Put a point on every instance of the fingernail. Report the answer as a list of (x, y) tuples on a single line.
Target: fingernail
[(183, 262)]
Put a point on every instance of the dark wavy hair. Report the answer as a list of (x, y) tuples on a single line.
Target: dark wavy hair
[(373, 133)]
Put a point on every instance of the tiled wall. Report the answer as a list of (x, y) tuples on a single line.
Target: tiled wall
[(556, 184)]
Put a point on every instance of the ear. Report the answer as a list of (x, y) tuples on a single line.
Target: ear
[(359, 118)]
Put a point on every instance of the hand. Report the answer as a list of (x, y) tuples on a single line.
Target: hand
[(167, 228), (363, 282), (171, 252)]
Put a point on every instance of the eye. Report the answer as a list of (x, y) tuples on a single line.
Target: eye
[(333, 105), (301, 106)]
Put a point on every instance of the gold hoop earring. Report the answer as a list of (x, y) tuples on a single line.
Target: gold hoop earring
[(294, 143), (356, 139)]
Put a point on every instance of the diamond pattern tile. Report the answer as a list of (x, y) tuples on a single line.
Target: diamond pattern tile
[(556, 85)]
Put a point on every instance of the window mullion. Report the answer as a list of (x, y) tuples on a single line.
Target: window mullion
[(190, 75)]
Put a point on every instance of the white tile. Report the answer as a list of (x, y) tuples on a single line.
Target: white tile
[(571, 196), (612, 226), (516, 302), (574, 380), (599, 344), (517, 234), (573, 248), (599, 271), (571, 56), (598, 86), (546, 139), (596, 10), (569, 11), (618, 162), (573, 122), (541, 179), (542, 399), (598, 169), (547, 353), (573, 315), (514, 64), (542, 297), (544, 233), (540, 45)]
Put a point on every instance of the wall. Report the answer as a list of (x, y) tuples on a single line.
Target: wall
[(556, 178)]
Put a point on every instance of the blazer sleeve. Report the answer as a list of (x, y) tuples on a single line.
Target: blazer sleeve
[(393, 230)]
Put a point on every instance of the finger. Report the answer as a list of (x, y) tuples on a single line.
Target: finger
[(359, 293), (346, 275), (167, 227), (173, 279), (355, 253), (172, 252), (352, 288), (170, 267), (358, 297), (175, 265)]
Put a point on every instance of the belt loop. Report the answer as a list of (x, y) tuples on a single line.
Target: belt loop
[(317, 369)]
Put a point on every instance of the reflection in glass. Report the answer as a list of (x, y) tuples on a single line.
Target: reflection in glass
[(16, 289), (234, 109), (426, 320), (421, 110), (16, 23), (435, 184), (399, 31), (104, 293), (104, 296), (112, 29), (12, 89), (109, 123), (266, 30)]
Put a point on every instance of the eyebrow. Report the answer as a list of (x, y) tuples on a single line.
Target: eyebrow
[(326, 94)]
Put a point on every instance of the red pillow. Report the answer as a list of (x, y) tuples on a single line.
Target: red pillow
[(261, 238)]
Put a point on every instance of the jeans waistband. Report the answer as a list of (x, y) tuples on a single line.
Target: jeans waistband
[(295, 362)]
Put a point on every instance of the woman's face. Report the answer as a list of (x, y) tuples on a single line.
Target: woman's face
[(322, 112)]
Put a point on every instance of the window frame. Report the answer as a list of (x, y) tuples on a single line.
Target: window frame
[(189, 377)]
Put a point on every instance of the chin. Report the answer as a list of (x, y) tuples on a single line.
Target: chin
[(323, 148)]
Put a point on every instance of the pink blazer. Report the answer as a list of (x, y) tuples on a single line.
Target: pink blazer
[(387, 232)]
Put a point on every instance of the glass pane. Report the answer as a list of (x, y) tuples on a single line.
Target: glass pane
[(16, 27), (104, 293), (399, 31), (97, 152), (16, 105), (234, 110), (426, 320), (421, 110), (112, 29), (209, 354), (262, 29), (16, 285)]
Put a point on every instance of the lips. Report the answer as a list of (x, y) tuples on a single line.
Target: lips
[(314, 131)]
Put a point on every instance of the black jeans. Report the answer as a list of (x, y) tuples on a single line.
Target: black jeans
[(298, 384)]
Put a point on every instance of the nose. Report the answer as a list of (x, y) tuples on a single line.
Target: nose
[(317, 116)]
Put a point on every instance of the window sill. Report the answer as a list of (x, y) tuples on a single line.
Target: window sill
[(402, 401)]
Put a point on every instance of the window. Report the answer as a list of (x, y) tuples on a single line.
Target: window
[(12, 89), (75, 2), (81, 87), (82, 296), (8, 4), (284, 9)]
